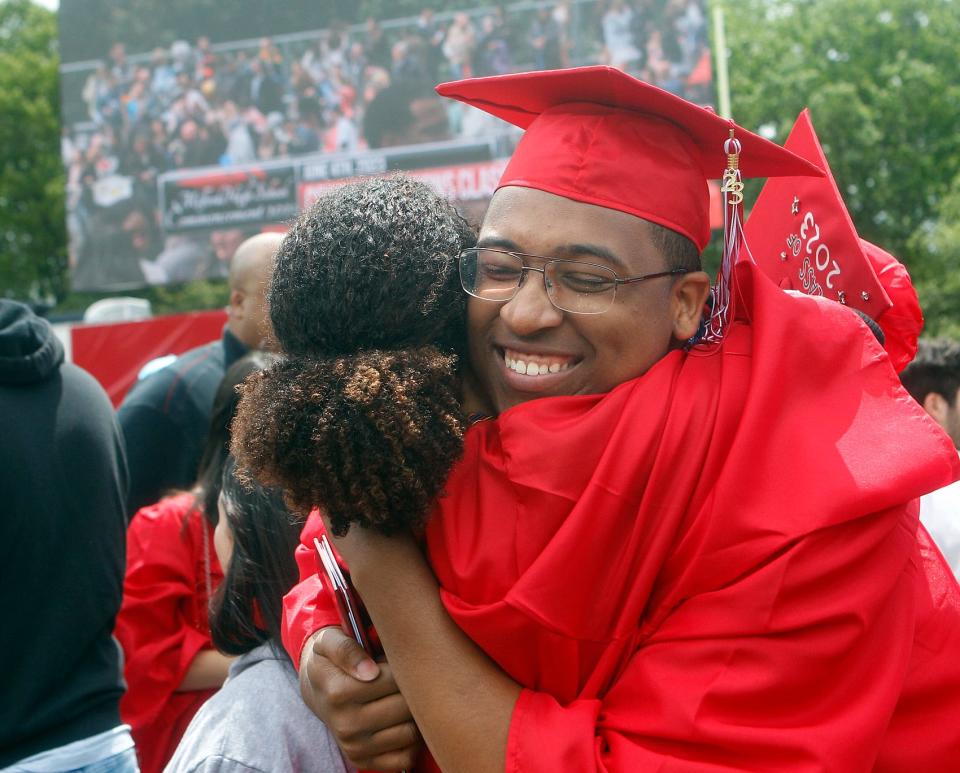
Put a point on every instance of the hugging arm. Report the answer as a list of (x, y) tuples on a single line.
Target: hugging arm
[(796, 666), (461, 700), (357, 699)]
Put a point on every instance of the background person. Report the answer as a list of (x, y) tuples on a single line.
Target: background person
[(165, 417), (63, 479), (933, 380), (257, 722), (171, 666)]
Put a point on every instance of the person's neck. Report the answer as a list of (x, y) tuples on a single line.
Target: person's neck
[(234, 347), (475, 400)]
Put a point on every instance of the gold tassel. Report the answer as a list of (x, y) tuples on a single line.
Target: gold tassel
[(732, 190)]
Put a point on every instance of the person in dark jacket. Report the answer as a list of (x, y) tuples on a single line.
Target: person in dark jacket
[(63, 480), (165, 417)]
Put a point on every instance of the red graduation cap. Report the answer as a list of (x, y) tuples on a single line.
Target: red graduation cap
[(600, 136), (801, 235), (902, 323)]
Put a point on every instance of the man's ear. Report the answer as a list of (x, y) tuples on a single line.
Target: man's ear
[(235, 307), (937, 406), (688, 296)]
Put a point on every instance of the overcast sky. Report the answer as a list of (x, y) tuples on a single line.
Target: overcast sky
[(51, 4)]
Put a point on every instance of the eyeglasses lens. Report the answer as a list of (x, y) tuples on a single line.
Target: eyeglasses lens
[(490, 274), (572, 286), (580, 288)]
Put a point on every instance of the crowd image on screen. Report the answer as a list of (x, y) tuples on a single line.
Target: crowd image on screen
[(204, 103)]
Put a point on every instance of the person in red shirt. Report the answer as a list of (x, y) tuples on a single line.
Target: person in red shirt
[(694, 555), (171, 667)]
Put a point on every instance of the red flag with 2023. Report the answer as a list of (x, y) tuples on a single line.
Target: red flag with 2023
[(801, 235)]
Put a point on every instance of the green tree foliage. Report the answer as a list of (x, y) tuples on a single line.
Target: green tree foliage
[(882, 80), (937, 274), (190, 296), (33, 251)]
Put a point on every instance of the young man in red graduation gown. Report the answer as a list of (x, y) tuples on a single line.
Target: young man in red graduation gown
[(690, 557)]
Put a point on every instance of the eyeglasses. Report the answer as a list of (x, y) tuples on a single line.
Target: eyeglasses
[(571, 285)]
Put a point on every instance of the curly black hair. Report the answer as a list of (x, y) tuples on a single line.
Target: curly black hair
[(371, 265), (363, 418)]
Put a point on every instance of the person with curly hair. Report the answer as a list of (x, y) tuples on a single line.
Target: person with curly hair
[(364, 416)]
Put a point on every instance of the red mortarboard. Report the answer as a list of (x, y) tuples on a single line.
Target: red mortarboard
[(597, 135), (902, 323), (801, 235)]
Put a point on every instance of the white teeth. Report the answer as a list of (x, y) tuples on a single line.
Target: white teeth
[(533, 368)]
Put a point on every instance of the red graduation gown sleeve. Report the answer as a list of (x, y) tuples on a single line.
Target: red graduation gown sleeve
[(307, 607), (162, 624), (923, 733)]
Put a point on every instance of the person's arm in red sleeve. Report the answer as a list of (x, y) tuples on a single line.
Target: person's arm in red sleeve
[(461, 701), (307, 607), (796, 666), (356, 698), (159, 643)]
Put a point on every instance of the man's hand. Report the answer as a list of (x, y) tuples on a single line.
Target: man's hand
[(358, 700)]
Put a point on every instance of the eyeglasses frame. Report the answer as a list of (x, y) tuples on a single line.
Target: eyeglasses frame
[(617, 280)]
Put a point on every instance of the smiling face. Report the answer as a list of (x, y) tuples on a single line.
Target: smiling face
[(526, 348)]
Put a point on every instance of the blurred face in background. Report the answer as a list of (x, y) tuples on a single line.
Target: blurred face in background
[(225, 242), (223, 535), (250, 272), (945, 410)]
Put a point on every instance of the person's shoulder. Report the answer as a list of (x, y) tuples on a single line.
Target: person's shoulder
[(199, 354), (266, 673), (257, 721), (158, 390), (85, 414), (168, 513), (78, 380), (150, 391)]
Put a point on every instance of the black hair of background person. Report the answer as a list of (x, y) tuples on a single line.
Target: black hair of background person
[(63, 475), (936, 369), (364, 417), (246, 609), (217, 448)]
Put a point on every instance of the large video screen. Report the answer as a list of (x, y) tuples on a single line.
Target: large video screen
[(190, 125)]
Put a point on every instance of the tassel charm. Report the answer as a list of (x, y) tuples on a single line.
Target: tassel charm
[(732, 190)]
